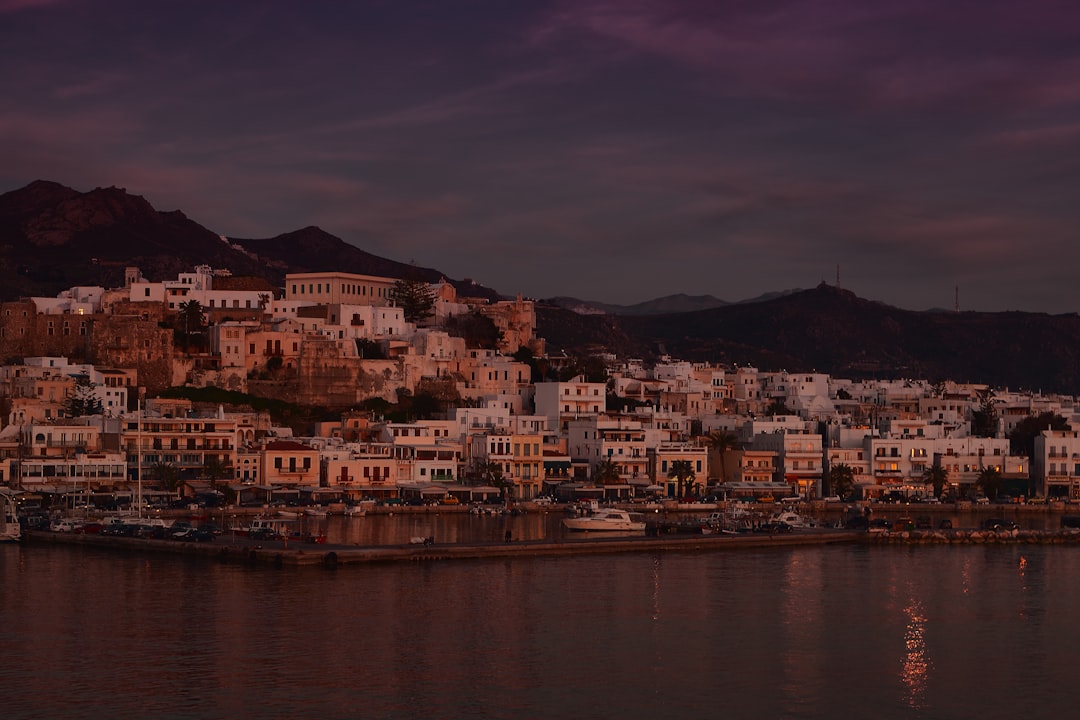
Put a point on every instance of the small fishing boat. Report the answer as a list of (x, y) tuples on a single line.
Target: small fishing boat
[(10, 529)]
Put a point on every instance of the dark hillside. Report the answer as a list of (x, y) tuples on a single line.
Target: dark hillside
[(53, 238), (834, 331)]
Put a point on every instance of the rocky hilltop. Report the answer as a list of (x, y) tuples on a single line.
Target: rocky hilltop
[(53, 237)]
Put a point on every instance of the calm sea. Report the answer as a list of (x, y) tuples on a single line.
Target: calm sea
[(828, 632)]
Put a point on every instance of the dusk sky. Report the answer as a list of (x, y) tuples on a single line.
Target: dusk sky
[(612, 150)]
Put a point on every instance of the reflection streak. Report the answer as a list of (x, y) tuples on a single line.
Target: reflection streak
[(916, 669)]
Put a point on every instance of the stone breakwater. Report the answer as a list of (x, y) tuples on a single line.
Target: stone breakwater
[(974, 537)]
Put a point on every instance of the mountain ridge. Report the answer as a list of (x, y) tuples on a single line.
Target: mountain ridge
[(53, 237), (830, 330)]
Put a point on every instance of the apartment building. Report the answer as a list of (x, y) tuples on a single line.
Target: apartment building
[(562, 402), (616, 439)]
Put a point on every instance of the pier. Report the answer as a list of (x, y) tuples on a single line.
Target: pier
[(291, 553)]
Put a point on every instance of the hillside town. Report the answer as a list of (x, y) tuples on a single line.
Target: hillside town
[(90, 413)]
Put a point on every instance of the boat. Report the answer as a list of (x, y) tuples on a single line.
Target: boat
[(266, 527), (607, 519), (792, 519), (355, 510), (315, 512), (10, 529), (724, 523)]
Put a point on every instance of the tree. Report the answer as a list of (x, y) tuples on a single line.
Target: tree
[(938, 477), (478, 331), (723, 441), (165, 475), (415, 297), (190, 320), (491, 473), (214, 469), (369, 349), (841, 480), (984, 420), (606, 471), (683, 472), (778, 407), (989, 482), (82, 400), (1022, 437)]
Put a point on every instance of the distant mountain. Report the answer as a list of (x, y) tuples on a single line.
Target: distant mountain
[(666, 305), (831, 330), (53, 237)]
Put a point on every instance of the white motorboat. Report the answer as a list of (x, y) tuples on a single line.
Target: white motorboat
[(792, 519), (607, 519), (10, 529)]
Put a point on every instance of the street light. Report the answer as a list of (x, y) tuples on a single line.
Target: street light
[(138, 447)]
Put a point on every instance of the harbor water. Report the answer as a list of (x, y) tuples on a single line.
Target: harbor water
[(808, 632)]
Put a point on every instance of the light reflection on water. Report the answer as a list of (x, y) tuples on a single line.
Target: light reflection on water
[(887, 632), (916, 663)]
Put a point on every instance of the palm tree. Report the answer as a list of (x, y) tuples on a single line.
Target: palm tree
[(683, 472), (165, 475), (722, 441), (938, 477), (191, 318), (492, 473), (606, 471), (841, 480), (990, 482)]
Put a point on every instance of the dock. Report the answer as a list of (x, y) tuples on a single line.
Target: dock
[(279, 553)]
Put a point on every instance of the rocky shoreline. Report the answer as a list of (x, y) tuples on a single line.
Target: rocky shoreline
[(1069, 536)]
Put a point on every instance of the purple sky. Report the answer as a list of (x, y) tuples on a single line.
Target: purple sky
[(611, 150)]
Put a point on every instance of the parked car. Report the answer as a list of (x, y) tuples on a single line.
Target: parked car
[(193, 535), (263, 533), (64, 526)]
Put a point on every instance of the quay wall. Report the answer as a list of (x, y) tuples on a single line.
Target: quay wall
[(279, 553)]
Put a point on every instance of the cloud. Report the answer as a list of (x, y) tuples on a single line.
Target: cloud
[(8, 7)]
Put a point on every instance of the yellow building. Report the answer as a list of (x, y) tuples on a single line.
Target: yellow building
[(338, 287)]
